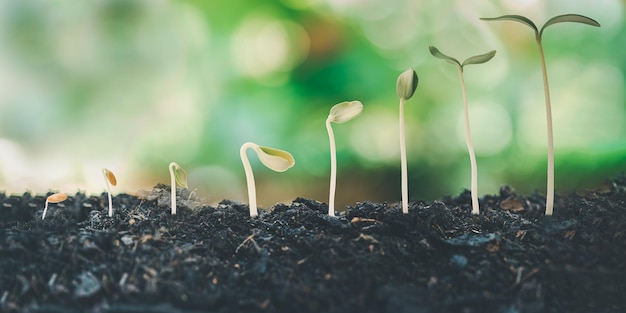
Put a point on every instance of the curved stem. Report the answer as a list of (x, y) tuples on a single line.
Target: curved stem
[(546, 91), (470, 147), (173, 187), (249, 177), (333, 169), (403, 162)]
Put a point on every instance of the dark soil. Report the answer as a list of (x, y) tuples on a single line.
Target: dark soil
[(294, 258)]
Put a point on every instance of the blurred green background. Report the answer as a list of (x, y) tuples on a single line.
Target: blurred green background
[(134, 85)]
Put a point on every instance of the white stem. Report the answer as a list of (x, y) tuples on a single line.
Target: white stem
[(45, 209), (333, 169), (546, 91), (404, 166), (106, 181), (249, 177), (110, 201), (470, 147), (173, 187)]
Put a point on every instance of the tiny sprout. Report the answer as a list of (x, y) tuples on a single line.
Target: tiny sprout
[(54, 198), (109, 180), (477, 59), (575, 18), (178, 177), (339, 113), (405, 88), (406, 84), (274, 159)]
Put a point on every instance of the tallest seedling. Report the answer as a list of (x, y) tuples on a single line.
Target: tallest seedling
[(478, 59), (405, 88), (538, 35)]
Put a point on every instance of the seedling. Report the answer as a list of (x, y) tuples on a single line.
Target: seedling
[(538, 36), (54, 198), (477, 59), (274, 159), (178, 177), (339, 113), (405, 88), (109, 180)]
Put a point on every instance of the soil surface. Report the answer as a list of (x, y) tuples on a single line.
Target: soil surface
[(294, 258)]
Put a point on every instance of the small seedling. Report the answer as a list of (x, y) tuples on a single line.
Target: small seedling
[(54, 198), (477, 59), (109, 180), (339, 113), (405, 88), (178, 177), (274, 159), (538, 36)]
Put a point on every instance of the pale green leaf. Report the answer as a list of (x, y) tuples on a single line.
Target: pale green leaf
[(516, 18), (180, 176), (575, 18), (345, 111), (438, 54), (275, 159), (406, 84), (479, 59)]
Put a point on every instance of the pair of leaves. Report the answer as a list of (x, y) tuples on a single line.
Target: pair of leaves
[(477, 59), (574, 18)]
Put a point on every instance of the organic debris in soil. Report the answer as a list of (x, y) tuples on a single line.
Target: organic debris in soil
[(295, 258)]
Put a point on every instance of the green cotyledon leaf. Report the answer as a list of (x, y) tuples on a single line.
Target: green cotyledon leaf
[(574, 18), (479, 59), (516, 18), (275, 159)]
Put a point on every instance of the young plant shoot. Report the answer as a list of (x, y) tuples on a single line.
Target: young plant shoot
[(178, 177), (339, 113), (405, 88), (477, 59), (54, 198), (538, 36), (109, 180), (274, 159)]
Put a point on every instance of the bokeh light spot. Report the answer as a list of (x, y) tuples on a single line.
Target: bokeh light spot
[(491, 127), (263, 45)]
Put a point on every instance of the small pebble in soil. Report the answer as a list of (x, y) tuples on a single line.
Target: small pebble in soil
[(458, 261), (88, 286)]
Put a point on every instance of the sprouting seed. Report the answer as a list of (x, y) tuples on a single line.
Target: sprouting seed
[(477, 59), (109, 180), (178, 177), (575, 18), (405, 88), (339, 113), (53, 198), (274, 159)]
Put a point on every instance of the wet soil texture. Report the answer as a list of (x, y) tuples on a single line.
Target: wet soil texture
[(294, 258)]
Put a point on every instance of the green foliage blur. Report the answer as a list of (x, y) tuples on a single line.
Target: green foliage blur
[(134, 85)]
